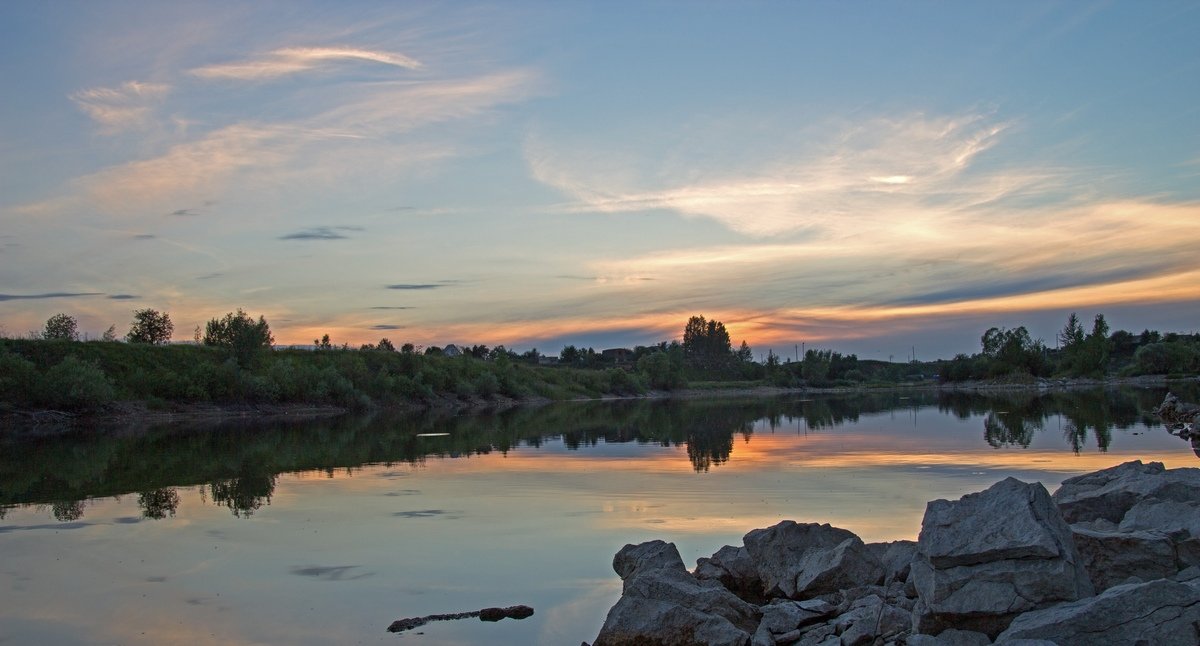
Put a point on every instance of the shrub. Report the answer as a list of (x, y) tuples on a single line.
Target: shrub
[(74, 384)]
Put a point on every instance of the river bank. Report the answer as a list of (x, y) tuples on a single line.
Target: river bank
[(144, 413)]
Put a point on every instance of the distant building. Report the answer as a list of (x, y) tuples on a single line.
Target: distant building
[(618, 356)]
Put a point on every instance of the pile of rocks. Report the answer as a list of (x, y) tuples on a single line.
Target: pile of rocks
[(1112, 558)]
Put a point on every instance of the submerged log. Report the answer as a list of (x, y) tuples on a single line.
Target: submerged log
[(487, 614)]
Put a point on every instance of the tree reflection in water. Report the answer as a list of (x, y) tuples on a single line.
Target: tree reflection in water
[(236, 464), (158, 503)]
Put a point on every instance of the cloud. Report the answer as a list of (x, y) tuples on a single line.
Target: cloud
[(862, 172), (415, 286), (123, 297), (387, 327), (388, 307), (321, 233), (293, 60), (348, 145), (330, 572), (210, 276), (144, 236), (129, 106), (26, 297)]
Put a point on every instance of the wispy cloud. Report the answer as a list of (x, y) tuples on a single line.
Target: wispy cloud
[(387, 327), (126, 107), (321, 233), (860, 172), (123, 297), (416, 286), (293, 60), (388, 307), (144, 236), (28, 297)]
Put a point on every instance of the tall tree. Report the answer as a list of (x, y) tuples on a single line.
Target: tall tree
[(62, 327), (150, 326), (242, 335)]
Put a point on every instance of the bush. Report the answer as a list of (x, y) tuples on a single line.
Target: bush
[(74, 384)]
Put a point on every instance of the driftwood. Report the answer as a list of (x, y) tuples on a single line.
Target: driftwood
[(487, 614)]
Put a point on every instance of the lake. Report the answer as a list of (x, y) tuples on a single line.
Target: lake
[(318, 532)]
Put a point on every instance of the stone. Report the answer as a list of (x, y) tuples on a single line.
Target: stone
[(992, 555), (799, 561), (1112, 557), (782, 619), (734, 569), (896, 558), (1162, 612), (871, 618), (1111, 493), (662, 603), (646, 556), (951, 637)]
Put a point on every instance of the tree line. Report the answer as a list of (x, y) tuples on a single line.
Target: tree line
[(1014, 355)]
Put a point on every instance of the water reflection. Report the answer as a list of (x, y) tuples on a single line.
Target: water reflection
[(236, 465)]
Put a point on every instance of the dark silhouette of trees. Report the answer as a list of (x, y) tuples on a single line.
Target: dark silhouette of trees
[(150, 326), (244, 337), (61, 327)]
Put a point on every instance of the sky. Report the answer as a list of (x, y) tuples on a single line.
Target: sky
[(882, 178)]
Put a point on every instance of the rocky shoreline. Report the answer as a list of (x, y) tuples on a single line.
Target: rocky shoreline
[(1113, 557)]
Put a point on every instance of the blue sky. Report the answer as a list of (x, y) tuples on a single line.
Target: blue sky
[(863, 176)]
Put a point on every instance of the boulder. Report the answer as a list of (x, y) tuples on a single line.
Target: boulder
[(992, 555), (1162, 612), (950, 637), (871, 618), (896, 558), (734, 569), (1111, 493), (1112, 557), (661, 603), (800, 561), (782, 619)]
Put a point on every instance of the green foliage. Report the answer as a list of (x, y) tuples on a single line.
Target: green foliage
[(74, 384), (706, 344), (61, 327), (1176, 357), (662, 370), (150, 326), (241, 335)]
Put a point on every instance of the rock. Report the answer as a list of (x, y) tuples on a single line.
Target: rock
[(782, 619), (992, 555), (734, 569), (1112, 557), (1162, 612), (803, 560), (896, 558), (646, 556), (511, 612), (871, 618), (661, 603), (951, 637), (1111, 493)]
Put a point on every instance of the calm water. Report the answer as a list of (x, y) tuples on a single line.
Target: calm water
[(325, 532)]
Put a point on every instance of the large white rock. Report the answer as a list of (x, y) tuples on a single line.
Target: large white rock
[(1112, 557), (662, 603), (1111, 493), (991, 555), (1162, 613), (802, 560)]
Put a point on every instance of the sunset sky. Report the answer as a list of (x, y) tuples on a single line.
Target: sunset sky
[(864, 176)]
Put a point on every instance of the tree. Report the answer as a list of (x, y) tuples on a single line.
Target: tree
[(62, 327), (150, 326), (706, 343), (110, 334), (242, 335), (408, 348), (386, 345), (323, 344)]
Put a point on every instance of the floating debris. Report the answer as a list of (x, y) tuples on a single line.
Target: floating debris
[(487, 614)]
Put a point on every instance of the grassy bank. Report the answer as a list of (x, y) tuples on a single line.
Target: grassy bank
[(72, 375)]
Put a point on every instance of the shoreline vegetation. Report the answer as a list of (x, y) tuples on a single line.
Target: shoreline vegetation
[(233, 369)]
